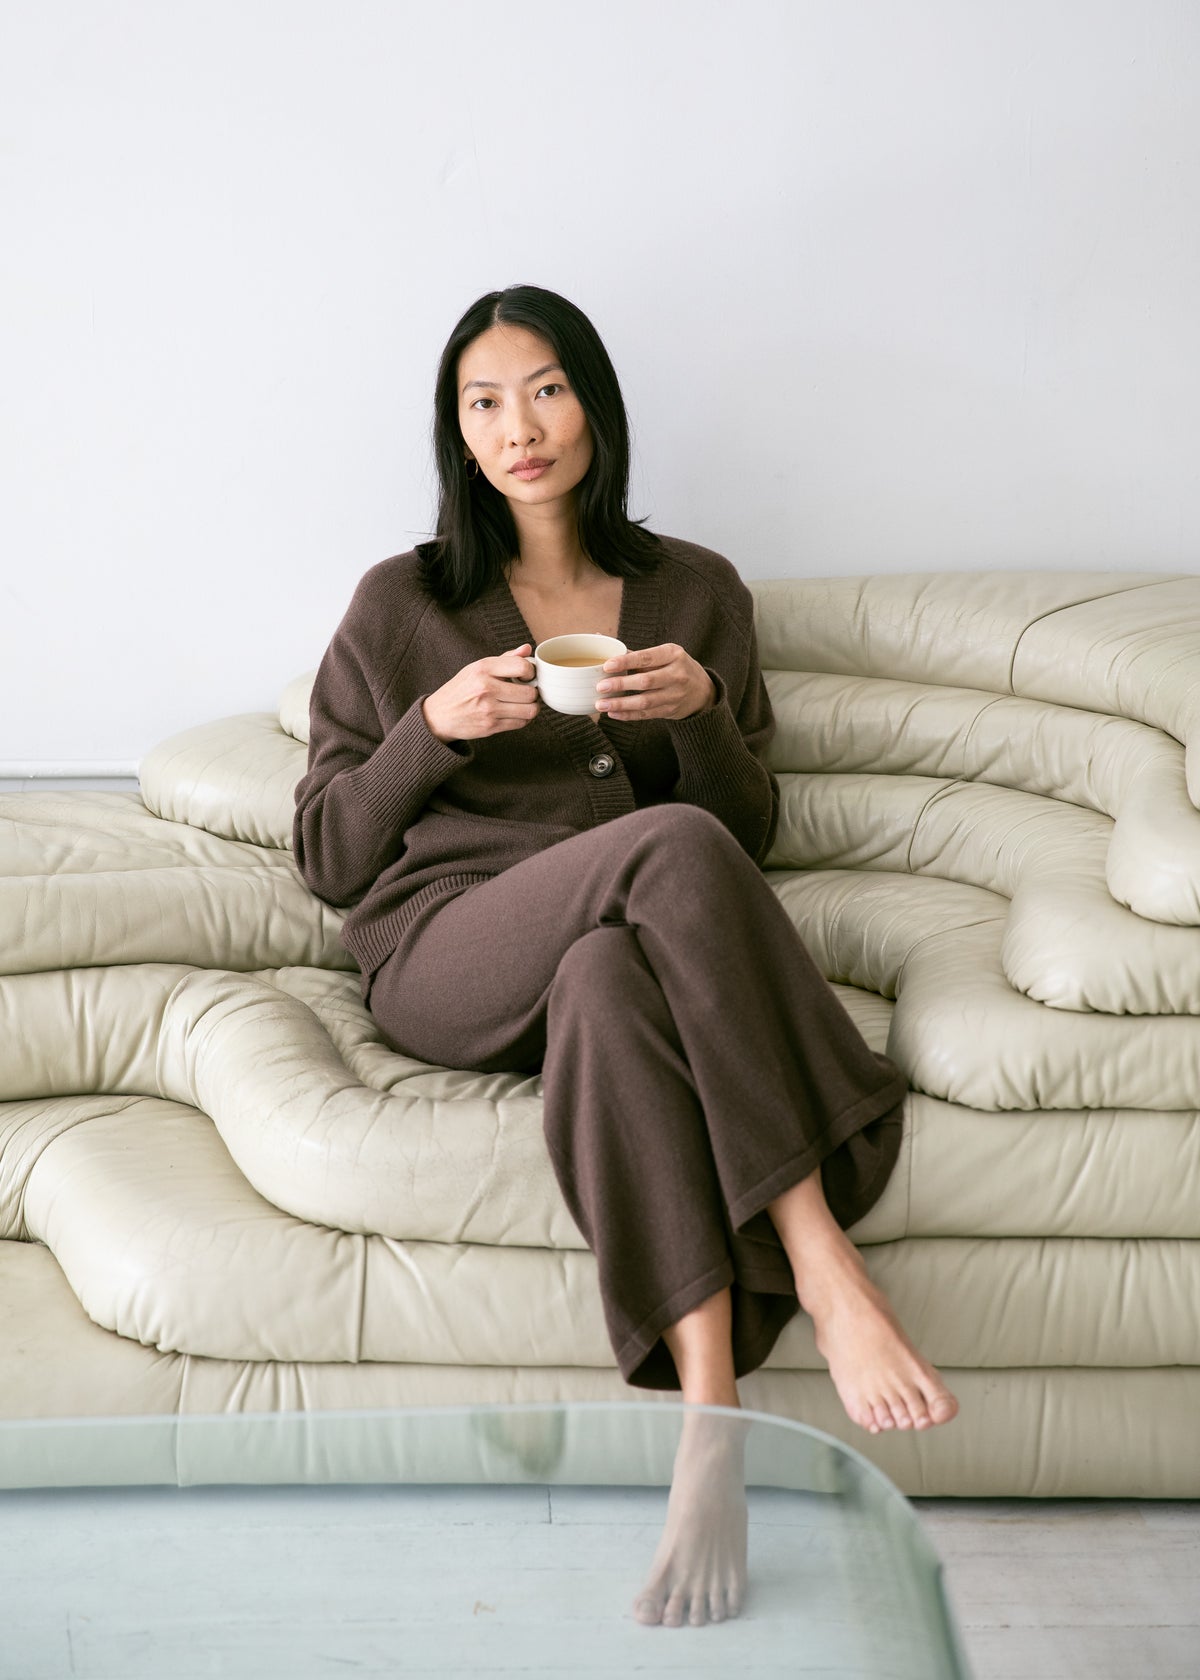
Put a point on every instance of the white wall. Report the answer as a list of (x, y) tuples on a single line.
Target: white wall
[(889, 284)]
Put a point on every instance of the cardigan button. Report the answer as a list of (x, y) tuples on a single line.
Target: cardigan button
[(602, 765)]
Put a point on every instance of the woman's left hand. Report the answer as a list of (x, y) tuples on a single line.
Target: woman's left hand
[(657, 682)]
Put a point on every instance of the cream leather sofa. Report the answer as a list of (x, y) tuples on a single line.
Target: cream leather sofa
[(220, 1190)]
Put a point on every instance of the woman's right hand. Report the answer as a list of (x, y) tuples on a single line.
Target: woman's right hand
[(484, 697)]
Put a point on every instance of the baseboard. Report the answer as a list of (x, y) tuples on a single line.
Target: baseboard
[(40, 775)]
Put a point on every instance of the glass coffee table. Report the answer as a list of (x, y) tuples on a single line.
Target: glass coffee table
[(448, 1541)]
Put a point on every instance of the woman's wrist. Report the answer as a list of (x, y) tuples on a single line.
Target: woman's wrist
[(711, 699), (431, 726)]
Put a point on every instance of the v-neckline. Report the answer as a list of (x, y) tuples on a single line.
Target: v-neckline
[(527, 634), (638, 626), (638, 623)]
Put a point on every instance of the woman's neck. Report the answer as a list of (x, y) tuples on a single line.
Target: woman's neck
[(552, 575), (550, 557)]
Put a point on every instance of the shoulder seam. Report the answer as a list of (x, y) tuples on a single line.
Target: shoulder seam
[(721, 599), (393, 670), (398, 666)]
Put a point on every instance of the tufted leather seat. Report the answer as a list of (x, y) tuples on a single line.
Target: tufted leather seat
[(220, 1189)]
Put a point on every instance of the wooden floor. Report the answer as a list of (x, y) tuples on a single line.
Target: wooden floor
[(1058, 1589), (450, 1583)]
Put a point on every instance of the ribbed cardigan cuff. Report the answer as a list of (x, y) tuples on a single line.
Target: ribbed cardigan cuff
[(404, 769), (712, 753)]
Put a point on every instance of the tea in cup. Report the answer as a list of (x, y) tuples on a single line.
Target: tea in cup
[(569, 667)]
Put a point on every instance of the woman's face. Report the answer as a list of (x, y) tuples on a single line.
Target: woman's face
[(514, 404)]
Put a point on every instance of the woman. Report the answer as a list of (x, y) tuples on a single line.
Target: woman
[(583, 896)]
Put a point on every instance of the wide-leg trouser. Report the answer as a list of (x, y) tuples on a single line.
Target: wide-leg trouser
[(695, 1063)]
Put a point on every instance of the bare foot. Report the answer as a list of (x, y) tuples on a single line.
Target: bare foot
[(698, 1573), (880, 1377)]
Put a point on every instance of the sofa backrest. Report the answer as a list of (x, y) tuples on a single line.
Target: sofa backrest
[(908, 706)]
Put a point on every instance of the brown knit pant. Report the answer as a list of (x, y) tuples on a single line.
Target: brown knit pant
[(695, 1063)]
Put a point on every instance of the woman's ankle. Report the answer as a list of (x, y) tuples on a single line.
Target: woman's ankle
[(710, 1394), (701, 1346), (823, 1271)]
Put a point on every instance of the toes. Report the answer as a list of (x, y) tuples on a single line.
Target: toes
[(943, 1407), (672, 1615), (899, 1408), (914, 1402), (716, 1604), (698, 1614), (648, 1609)]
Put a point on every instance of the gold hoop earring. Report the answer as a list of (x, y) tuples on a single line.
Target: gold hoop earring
[(472, 462)]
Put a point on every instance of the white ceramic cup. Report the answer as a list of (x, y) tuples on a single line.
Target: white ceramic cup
[(572, 688)]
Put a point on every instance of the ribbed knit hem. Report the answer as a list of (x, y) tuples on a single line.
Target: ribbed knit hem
[(373, 944)]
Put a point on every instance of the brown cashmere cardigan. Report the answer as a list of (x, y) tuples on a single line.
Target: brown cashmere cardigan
[(389, 818)]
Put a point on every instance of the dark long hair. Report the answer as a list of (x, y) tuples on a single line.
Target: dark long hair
[(476, 533)]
